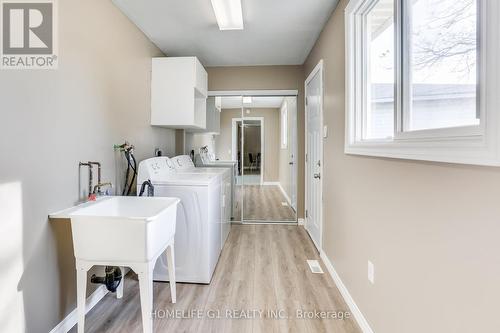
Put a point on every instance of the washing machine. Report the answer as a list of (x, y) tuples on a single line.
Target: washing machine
[(184, 164), (198, 230)]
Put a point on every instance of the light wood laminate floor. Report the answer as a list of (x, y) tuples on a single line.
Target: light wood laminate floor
[(262, 267), (262, 203)]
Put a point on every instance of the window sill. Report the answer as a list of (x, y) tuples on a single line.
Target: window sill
[(474, 150)]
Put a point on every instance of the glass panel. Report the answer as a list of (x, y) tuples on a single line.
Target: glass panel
[(226, 146), (442, 55), (266, 165), (380, 60), (251, 157)]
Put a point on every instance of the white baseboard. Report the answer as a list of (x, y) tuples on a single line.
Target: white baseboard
[(301, 222), (67, 323), (285, 194), (356, 312)]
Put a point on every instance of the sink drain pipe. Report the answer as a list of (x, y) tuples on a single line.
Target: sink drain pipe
[(111, 279)]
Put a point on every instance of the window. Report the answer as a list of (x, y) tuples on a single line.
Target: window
[(379, 111), (421, 79), (284, 126), (440, 44)]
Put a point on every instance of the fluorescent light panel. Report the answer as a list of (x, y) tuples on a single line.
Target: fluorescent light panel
[(228, 14)]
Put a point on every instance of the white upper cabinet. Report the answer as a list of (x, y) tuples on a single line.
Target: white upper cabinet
[(178, 93)]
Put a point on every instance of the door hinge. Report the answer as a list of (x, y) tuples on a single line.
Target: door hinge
[(306, 213), (306, 158)]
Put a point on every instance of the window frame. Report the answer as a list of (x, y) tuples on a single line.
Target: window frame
[(477, 144)]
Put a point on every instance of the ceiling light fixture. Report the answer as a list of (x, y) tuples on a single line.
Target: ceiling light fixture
[(228, 14), (247, 100)]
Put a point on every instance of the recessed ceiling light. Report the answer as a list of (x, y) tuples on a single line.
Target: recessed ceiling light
[(228, 14), (247, 100)]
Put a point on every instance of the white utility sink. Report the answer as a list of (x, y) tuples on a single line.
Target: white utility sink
[(130, 229), (126, 232)]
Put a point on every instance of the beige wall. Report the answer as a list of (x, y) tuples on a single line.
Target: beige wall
[(262, 78), (51, 120), (180, 142), (194, 141), (431, 229), (223, 142), (252, 144)]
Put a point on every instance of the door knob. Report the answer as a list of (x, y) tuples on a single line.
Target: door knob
[(317, 175), (290, 163)]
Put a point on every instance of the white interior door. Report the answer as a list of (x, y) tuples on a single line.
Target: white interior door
[(314, 153)]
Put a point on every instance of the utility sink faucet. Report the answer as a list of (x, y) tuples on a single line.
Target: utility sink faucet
[(91, 174), (95, 191)]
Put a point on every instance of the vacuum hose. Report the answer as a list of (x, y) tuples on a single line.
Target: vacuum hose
[(111, 280)]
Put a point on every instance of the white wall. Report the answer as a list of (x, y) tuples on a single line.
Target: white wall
[(51, 120)]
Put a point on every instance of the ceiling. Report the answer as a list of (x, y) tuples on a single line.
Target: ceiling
[(276, 32), (235, 102)]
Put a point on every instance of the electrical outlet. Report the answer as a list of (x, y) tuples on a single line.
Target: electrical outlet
[(371, 272)]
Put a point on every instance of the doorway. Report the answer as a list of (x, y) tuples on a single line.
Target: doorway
[(248, 149), (314, 154)]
